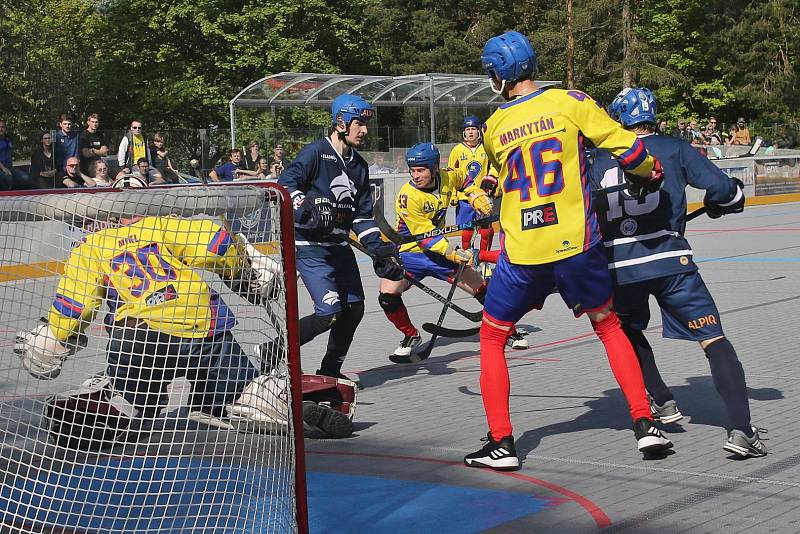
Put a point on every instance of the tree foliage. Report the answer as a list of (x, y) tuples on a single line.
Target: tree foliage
[(177, 63)]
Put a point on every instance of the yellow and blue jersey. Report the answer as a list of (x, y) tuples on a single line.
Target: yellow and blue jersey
[(537, 142), (422, 211), (145, 271), (472, 161)]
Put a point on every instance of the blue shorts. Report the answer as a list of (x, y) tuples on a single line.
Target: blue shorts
[(419, 265), (583, 281), (464, 212), (331, 279), (687, 309)]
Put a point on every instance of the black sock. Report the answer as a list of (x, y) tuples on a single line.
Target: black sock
[(652, 378), (728, 375)]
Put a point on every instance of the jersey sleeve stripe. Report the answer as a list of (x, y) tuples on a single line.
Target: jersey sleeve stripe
[(634, 156), (367, 232), (429, 242), (220, 242), (68, 307)]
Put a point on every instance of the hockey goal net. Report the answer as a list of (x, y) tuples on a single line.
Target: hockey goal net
[(172, 471)]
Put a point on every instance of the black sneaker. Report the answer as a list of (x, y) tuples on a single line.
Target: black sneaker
[(648, 437), (331, 422), (408, 344), (498, 455), (739, 444)]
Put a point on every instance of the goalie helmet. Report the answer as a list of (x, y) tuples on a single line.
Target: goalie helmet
[(509, 57), (423, 155), (350, 107), (634, 106)]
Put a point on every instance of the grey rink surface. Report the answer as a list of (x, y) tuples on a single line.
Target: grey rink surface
[(571, 424)]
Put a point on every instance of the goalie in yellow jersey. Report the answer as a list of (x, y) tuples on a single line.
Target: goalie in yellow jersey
[(163, 322)]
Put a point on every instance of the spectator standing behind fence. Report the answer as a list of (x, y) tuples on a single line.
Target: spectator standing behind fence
[(741, 136), (251, 156), (711, 135), (380, 167), (663, 127), (92, 144), (10, 178), (277, 164), (43, 170), (229, 171), (133, 147), (159, 159), (71, 176), (66, 142), (682, 132), (696, 133), (262, 169)]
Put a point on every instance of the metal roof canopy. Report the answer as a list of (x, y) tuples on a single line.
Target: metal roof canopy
[(292, 89)]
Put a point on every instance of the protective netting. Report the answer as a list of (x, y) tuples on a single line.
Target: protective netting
[(177, 414)]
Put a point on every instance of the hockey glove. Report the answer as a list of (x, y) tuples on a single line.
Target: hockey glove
[(736, 205), (641, 186), (315, 213), (481, 202), (387, 264), (489, 184), (462, 256)]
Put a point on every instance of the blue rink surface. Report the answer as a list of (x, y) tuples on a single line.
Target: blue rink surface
[(347, 503), (148, 493)]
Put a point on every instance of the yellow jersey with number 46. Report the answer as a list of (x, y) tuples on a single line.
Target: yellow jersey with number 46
[(145, 270), (538, 143)]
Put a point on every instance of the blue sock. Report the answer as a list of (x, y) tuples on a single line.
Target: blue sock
[(728, 375)]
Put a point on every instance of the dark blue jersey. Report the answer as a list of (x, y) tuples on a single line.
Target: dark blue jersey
[(321, 171), (644, 238)]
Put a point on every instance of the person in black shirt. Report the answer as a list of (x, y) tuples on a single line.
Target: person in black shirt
[(92, 145), (43, 163)]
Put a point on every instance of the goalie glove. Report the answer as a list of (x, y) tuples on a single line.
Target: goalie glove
[(480, 202), (462, 256), (735, 205), (259, 279), (42, 354)]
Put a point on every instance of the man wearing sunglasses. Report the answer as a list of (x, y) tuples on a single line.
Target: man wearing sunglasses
[(133, 147)]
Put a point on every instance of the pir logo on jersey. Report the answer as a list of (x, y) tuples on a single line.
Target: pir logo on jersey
[(539, 216)]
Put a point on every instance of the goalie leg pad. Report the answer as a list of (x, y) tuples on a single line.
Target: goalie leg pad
[(90, 418), (337, 393), (265, 400)]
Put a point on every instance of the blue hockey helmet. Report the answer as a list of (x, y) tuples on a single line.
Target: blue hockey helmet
[(351, 107), (472, 122), (633, 106), (423, 155), (509, 57)]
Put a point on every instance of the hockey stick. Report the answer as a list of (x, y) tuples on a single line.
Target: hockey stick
[(443, 331), (475, 317), (423, 354), (695, 214), (395, 237)]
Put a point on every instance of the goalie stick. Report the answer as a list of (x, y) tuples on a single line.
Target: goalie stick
[(475, 317), (395, 237), (424, 353)]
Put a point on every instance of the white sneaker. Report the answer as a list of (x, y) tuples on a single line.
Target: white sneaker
[(408, 345), (517, 342)]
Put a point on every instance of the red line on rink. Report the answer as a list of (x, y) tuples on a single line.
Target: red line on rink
[(600, 518)]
